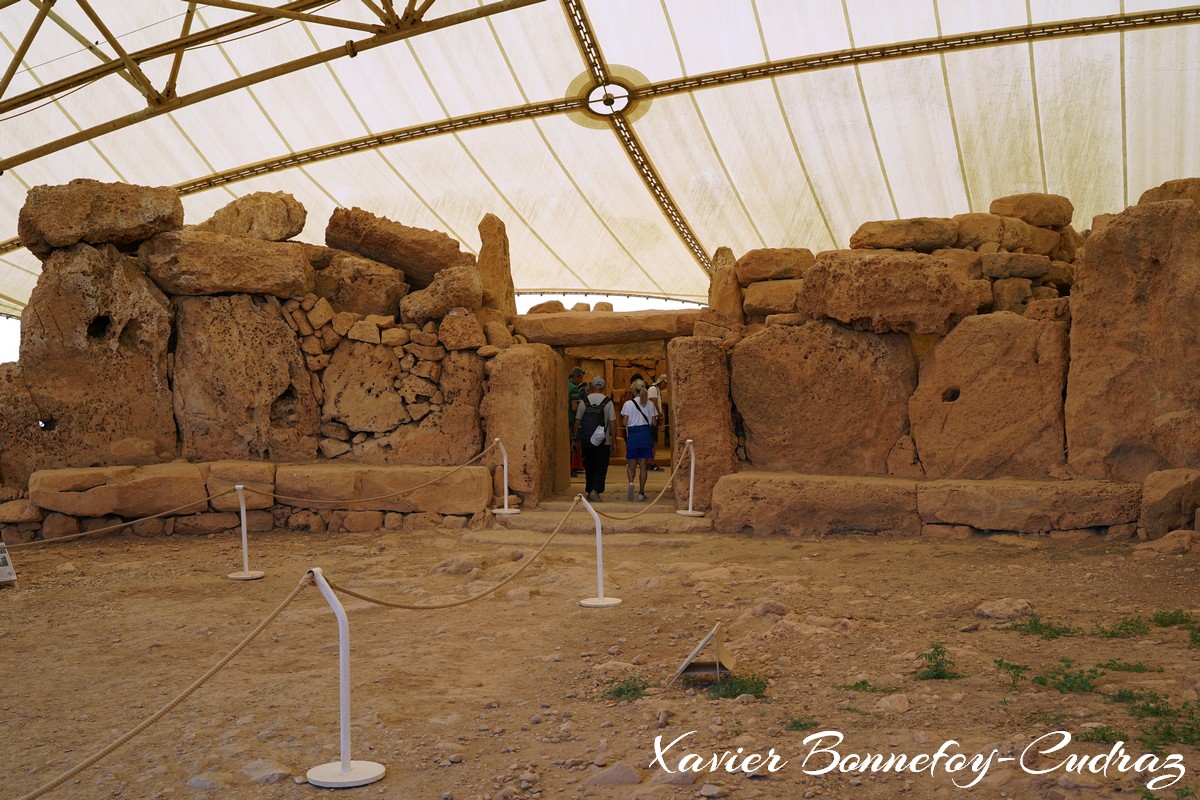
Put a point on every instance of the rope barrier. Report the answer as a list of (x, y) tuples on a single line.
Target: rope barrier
[(179, 698), (98, 531), (432, 607), (670, 482), (388, 496)]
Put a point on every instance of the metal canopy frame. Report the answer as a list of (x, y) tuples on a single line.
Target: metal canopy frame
[(396, 26)]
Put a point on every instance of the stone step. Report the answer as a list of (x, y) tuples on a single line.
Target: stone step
[(580, 522), (612, 502)]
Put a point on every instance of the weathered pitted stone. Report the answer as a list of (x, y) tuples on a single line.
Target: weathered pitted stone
[(1178, 189), (700, 411), (548, 307), (773, 264), (1009, 233), (92, 212), (495, 268), (1133, 401), (1042, 210), (241, 387), (357, 284), (125, 491), (523, 407), (989, 400), (452, 287), (1056, 310), (821, 398), (452, 434), (17, 511), (714, 324), (1028, 506), (888, 291), (1069, 242), (772, 297), (724, 289), (194, 262), (923, 234), (25, 446), (94, 359), (359, 388), (793, 503), (569, 328), (461, 331), (1014, 265), (256, 477), (1169, 501), (1012, 294), (420, 253), (271, 216)]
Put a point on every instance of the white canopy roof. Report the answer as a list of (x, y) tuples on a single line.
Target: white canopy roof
[(753, 123)]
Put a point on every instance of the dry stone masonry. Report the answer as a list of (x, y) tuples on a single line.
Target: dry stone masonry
[(987, 372)]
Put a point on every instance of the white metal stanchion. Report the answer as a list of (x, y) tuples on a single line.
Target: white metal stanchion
[(599, 601), (345, 773), (691, 484), (506, 511), (246, 574)]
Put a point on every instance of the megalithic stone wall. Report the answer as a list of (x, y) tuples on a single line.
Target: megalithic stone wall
[(700, 410)]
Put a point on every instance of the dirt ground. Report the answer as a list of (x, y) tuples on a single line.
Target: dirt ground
[(505, 697)]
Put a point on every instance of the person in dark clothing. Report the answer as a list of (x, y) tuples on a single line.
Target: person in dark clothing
[(575, 392), (594, 423)]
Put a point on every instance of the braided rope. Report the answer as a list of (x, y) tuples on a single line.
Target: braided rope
[(179, 698), (388, 496), (98, 531), (657, 497), (431, 607)]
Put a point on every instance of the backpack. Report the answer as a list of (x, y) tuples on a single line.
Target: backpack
[(593, 417)]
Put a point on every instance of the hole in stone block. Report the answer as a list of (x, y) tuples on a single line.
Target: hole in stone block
[(950, 395), (98, 327), (47, 424)]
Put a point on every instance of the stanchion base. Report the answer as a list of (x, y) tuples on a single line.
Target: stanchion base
[(331, 776), (252, 575), (600, 602), (686, 513), (505, 512)]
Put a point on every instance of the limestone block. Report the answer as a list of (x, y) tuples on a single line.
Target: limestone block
[(1028, 506), (522, 407), (1056, 310), (495, 268), (715, 324), (362, 521), (923, 234), (364, 331), (1169, 501), (1133, 401), (359, 388), (989, 400), (1009, 233), (420, 253), (321, 313), (887, 291), (497, 333), (820, 398), (548, 307), (56, 526), (453, 287), (1014, 265), (1069, 242), (92, 212), (123, 491), (803, 505), (700, 411), (568, 328), (17, 511), (461, 331), (361, 487), (724, 288), (241, 387), (1178, 189), (257, 478), (358, 284), (1041, 210), (773, 264), (1012, 294), (772, 297), (969, 262), (271, 216), (206, 524), (25, 445), (449, 435), (194, 262), (94, 340)]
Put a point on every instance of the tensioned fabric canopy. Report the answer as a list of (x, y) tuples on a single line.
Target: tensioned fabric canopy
[(621, 141)]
